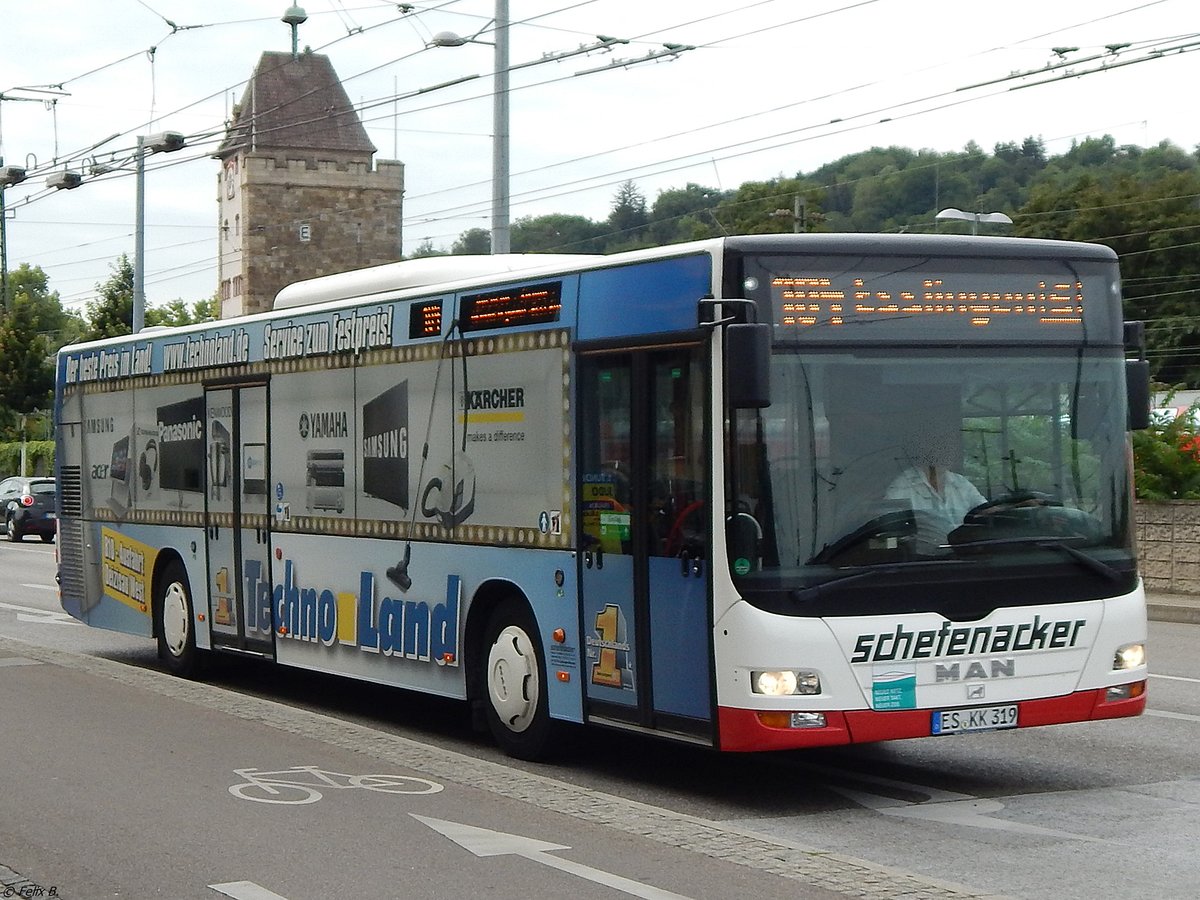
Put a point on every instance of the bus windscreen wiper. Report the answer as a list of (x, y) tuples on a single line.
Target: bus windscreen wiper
[(1048, 542), (814, 591)]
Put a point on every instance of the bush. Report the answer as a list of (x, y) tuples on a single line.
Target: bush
[(1166, 459), (39, 458)]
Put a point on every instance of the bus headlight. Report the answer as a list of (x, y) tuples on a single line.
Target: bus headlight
[(1130, 656), (785, 682)]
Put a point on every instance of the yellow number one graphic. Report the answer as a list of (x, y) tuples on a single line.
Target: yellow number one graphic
[(606, 671)]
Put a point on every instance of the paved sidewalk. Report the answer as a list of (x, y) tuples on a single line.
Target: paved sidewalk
[(1164, 607)]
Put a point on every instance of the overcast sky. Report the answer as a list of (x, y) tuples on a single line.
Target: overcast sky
[(772, 87)]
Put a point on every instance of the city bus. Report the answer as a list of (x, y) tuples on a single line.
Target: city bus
[(751, 493)]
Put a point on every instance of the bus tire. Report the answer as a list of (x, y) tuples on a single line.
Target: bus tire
[(514, 682), (174, 618)]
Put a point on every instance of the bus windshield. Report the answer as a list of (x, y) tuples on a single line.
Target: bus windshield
[(936, 466)]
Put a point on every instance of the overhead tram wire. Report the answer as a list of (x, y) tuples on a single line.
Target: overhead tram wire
[(709, 152), (220, 93), (701, 157)]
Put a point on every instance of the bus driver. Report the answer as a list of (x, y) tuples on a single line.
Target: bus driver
[(931, 486)]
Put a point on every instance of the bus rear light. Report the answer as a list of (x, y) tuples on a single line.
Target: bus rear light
[(785, 682), (1125, 692), (563, 676), (792, 719)]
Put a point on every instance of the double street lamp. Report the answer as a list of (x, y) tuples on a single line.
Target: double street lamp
[(993, 218)]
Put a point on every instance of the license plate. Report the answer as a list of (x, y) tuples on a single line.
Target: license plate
[(51, 515), (977, 718)]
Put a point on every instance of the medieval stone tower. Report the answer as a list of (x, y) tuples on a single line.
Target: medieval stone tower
[(298, 194)]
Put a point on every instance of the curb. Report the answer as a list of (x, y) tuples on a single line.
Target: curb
[(1188, 614)]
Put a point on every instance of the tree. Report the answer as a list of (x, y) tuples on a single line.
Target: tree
[(111, 314), (557, 233), (176, 313), (51, 320), (472, 241), (27, 375), (685, 214), (628, 216), (426, 248)]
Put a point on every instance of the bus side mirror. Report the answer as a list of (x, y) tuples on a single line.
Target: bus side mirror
[(748, 365), (1137, 393)]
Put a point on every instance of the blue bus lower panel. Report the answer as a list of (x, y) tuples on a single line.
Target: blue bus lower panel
[(353, 612)]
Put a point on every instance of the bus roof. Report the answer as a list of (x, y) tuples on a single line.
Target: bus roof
[(416, 273)]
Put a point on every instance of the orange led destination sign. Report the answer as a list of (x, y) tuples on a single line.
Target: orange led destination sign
[(532, 305), (805, 301)]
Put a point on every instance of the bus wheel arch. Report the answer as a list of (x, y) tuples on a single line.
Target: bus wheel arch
[(174, 616), (506, 675)]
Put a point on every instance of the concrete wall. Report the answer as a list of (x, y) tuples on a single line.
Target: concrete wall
[(1168, 541)]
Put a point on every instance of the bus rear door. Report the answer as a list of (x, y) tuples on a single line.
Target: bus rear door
[(238, 503)]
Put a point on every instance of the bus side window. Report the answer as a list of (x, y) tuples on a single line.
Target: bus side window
[(606, 455), (678, 510)]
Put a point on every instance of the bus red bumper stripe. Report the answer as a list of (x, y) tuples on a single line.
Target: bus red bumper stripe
[(742, 731)]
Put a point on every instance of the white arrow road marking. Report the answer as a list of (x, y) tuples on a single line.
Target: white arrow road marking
[(484, 842), (245, 890), (41, 616)]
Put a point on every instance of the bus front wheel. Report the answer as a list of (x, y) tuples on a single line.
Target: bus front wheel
[(514, 681), (174, 625)]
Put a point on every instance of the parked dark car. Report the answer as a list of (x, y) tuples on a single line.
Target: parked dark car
[(29, 506)]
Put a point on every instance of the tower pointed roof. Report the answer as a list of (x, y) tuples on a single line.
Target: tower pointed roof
[(295, 103)]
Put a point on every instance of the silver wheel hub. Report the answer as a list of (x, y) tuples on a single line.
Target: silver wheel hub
[(176, 621), (512, 681)]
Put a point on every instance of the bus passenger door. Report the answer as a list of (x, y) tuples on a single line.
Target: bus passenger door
[(239, 588), (644, 542)]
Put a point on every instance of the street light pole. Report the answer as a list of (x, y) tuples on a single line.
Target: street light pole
[(9, 175), (139, 240), (500, 226), (164, 142)]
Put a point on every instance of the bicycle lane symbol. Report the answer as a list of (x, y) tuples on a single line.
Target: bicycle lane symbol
[(305, 784)]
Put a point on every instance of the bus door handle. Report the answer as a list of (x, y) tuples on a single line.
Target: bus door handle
[(597, 557), (690, 566), (214, 532)]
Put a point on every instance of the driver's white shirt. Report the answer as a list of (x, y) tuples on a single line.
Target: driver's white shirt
[(956, 498)]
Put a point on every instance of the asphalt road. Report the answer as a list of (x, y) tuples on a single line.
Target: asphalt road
[(117, 782)]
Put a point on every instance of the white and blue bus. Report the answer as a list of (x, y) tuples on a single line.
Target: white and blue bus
[(758, 492)]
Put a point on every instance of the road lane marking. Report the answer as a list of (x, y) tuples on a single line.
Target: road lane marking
[(40, 616), (42, 587), (485, 842), (1175, 678), (18, 661), (1163, 714), (245, 890)]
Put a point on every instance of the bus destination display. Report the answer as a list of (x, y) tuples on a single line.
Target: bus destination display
[(532, 305), (927, 305), (425, 319)]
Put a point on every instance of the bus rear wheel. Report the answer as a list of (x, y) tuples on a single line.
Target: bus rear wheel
[(173, 625), (514, 682)]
